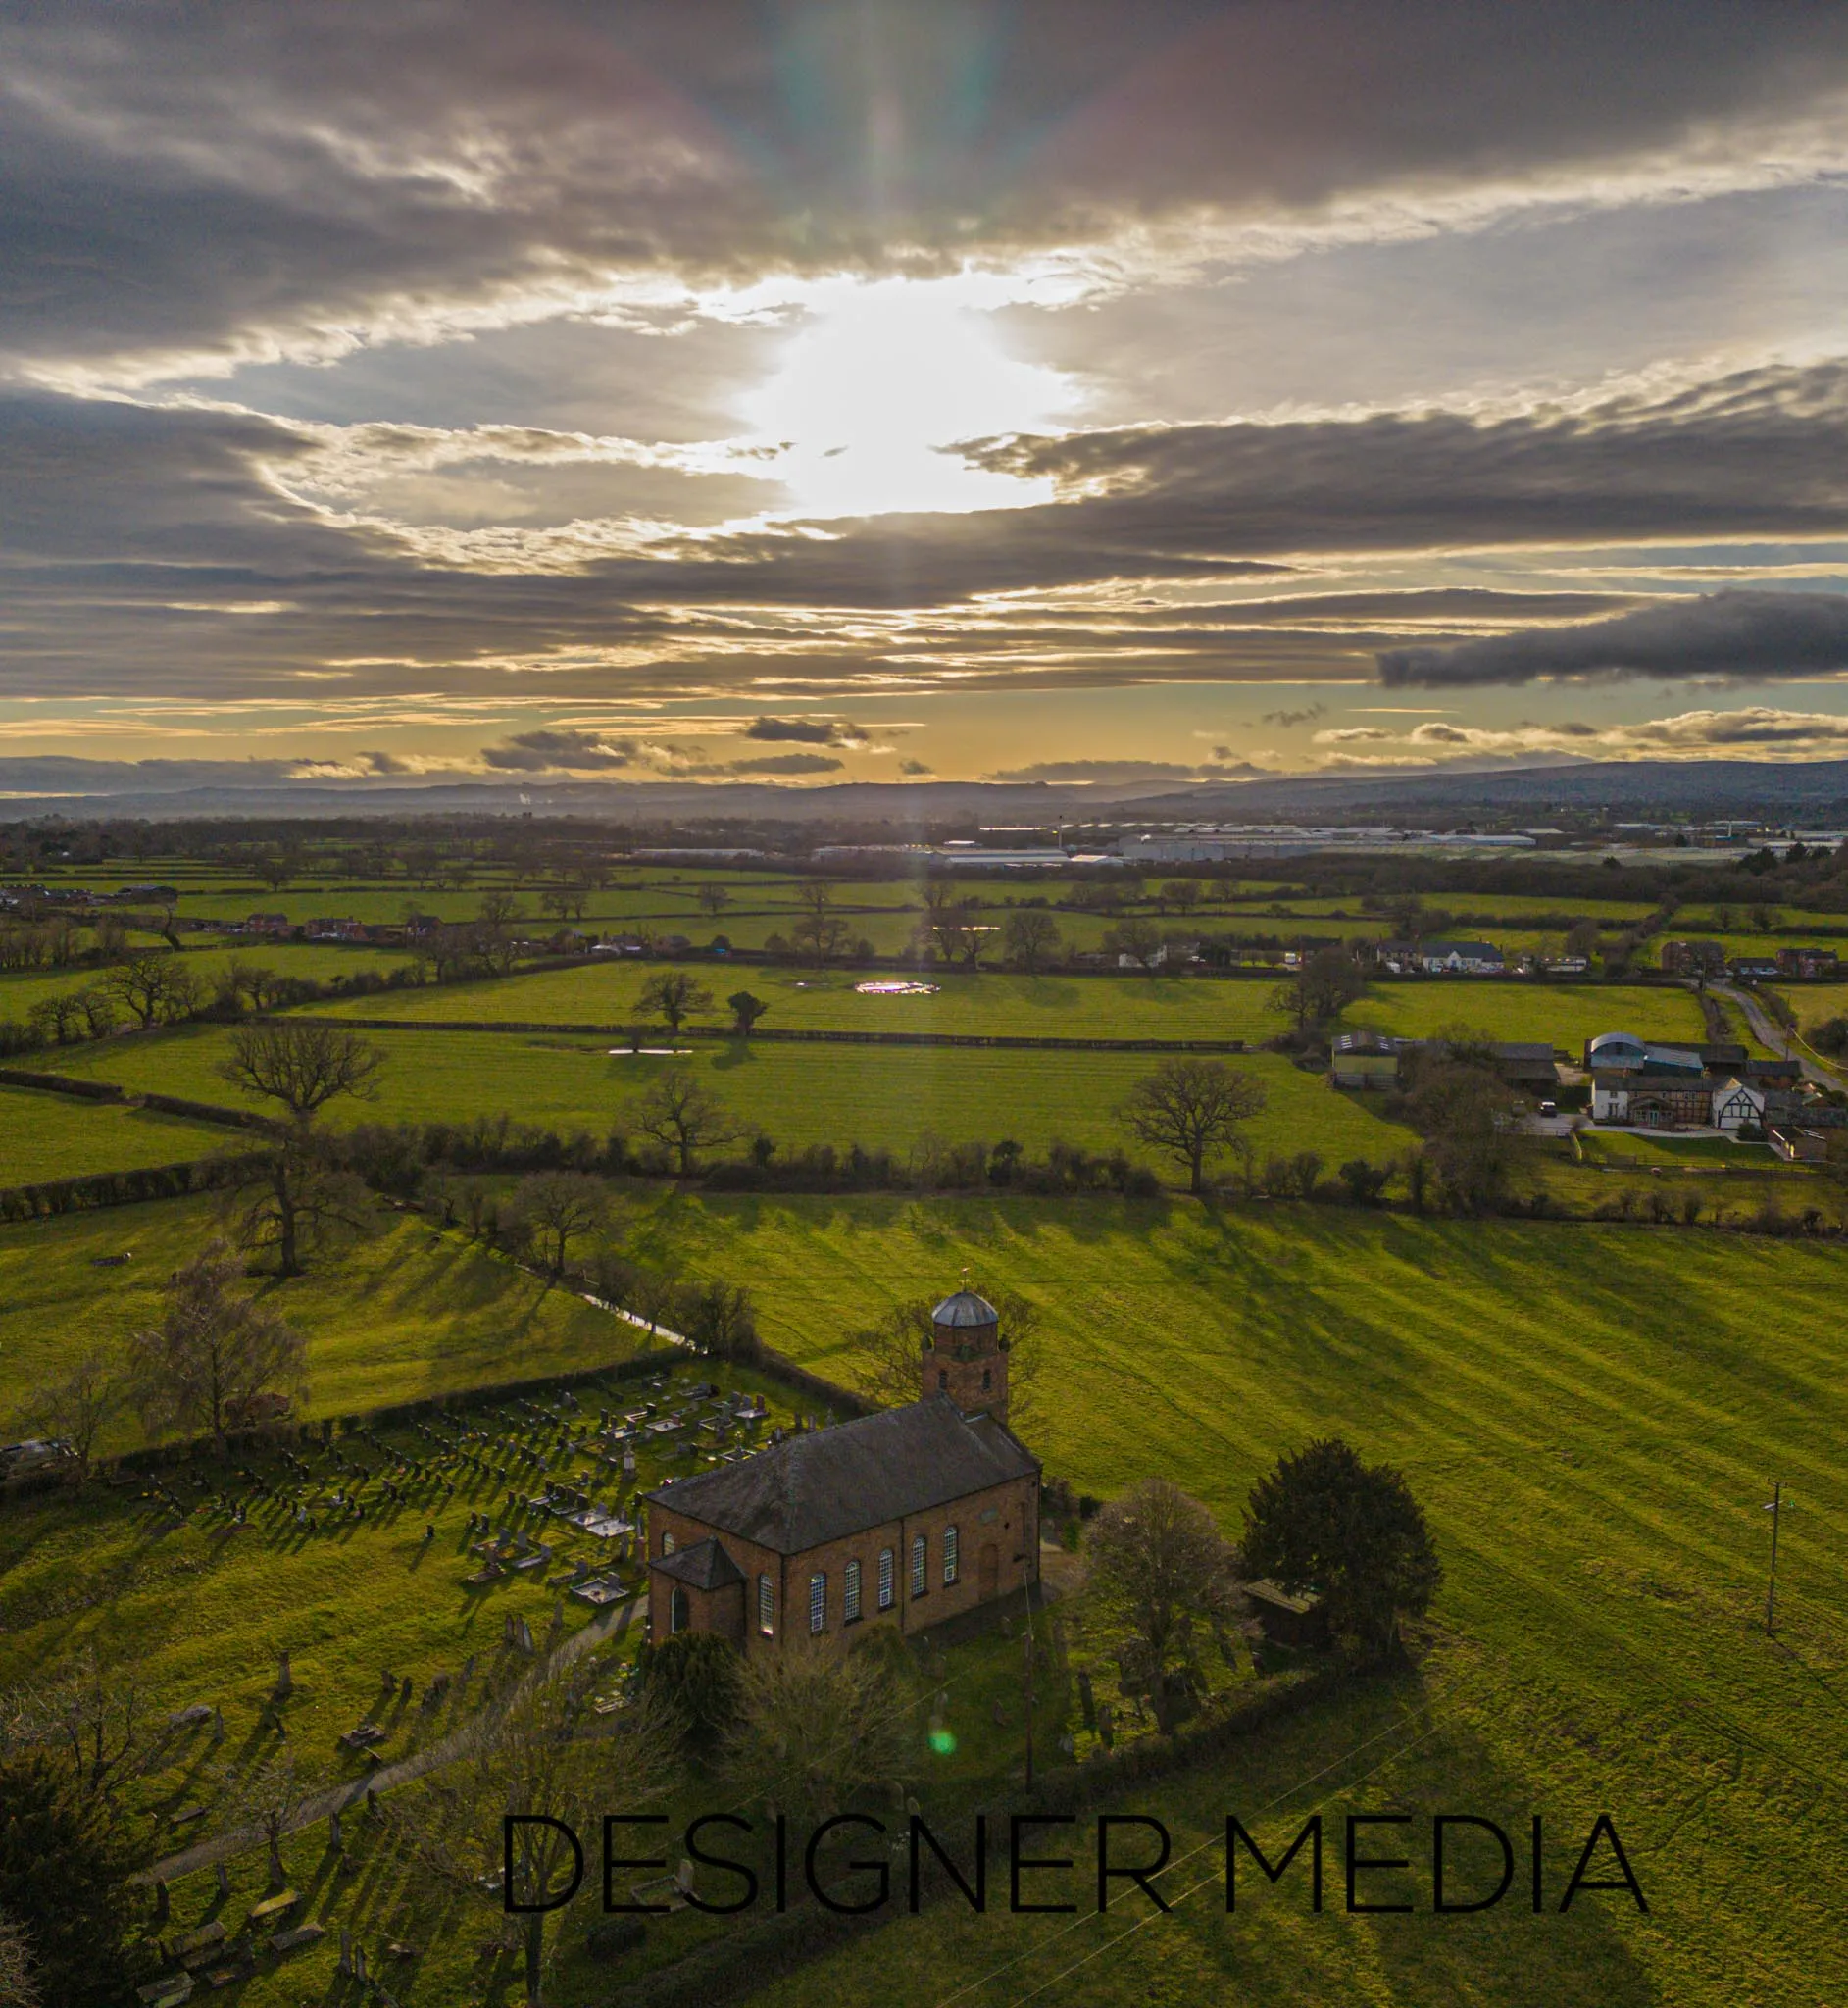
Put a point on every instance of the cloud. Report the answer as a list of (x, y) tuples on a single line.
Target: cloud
[(1757, 725), (1740, 633), (420, 171), (913, 770), (810, 732), (569, 752), (1349, 735), (1287, 718), (786, 763)]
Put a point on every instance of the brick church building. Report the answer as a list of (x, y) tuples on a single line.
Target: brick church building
[(904, 1518)]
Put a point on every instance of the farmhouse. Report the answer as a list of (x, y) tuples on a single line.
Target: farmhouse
[(904, 1518)]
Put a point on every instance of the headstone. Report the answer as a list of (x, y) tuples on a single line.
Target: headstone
[(285, 1684), (224, 1879)]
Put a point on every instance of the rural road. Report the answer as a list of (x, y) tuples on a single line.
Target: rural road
[(1768, 1031)]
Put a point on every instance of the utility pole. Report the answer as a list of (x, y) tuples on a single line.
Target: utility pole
[(1775, 1509), (1029, 1690)]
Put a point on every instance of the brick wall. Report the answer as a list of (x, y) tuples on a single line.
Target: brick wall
[(1004, 1518)]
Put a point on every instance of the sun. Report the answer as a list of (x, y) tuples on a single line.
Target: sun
[(880, 379)]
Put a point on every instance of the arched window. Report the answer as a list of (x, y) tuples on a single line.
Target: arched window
[(765, 1606), (817, 1603), (949, 1554), (889, 1589), (676, 1610), (850, 1594), (920, 1564), (667, 1545)]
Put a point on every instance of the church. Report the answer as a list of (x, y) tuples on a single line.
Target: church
[(904, 1518)]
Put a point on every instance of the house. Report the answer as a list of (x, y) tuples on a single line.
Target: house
[(1738, 1105), (1460, 957), (1798, 1146), (902, 1518), (1809, 961), (1754, 969), (1568, 966), (1365, 1059), (1634, 1080), (1693, 959), (268, 925), (336, 928)]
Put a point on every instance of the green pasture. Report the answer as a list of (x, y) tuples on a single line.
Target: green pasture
[(1564, 1014), (58, 1136), (1815, 1003), (985, 1003), (402, 1315), (20, 990), (1592, 1417), (882, 1097)]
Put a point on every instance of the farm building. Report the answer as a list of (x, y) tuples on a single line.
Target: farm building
[(904, 1518), (1365, 1059)]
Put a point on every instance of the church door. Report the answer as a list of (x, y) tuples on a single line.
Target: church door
[(989, 1570)]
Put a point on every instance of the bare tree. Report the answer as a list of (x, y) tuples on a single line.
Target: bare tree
[(303, 1193), (682, 1115), (145, 985), (75, 1408), (713, 900), (92, 1719), (558, 1208), (1030, 937), (1191, 1110), (267, 1794), (815, 1727), (1158, 1564), (821, 932), (213, 1352), (542, 1756), (674, 995), (1137, 938), (302, 1066), (889, 1354)]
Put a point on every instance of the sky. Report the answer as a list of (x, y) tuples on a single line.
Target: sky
[(860, 389)]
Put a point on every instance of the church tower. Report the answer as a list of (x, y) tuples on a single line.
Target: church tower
[(966, 1357)]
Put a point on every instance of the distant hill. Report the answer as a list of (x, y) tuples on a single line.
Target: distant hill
[(1811, 791)]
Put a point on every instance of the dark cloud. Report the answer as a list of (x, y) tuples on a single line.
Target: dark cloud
[(808, 731), (168, 185), (171, 548), (1286, 719), (542, 752), (914, 768), (1758, 454), (1740, 633)]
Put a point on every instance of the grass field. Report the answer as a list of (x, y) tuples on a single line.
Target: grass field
[(798, 1094), (1815, 1002), (1565, 1014), (57, 1136), (403, 1315), (1592, 1417), (1039, 1007), (20, 990)]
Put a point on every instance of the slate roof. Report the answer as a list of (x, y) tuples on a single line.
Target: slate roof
[(964, 1308), (703, 1566), (827, 1483)]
